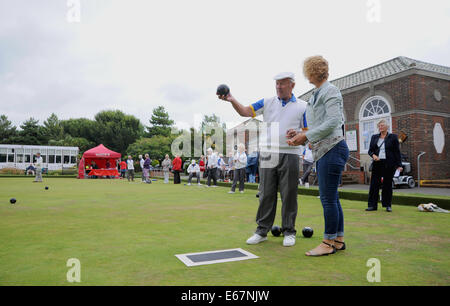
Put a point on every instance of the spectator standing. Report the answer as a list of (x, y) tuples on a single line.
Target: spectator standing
[(130, 168), (201, 163), (146, 169), (176, 167), (166, 164), (211, 166), (240, 162), (308, 162), (123, 168), (141, 163), (221, 168), (230, 168), (252, 166), (385, 151)]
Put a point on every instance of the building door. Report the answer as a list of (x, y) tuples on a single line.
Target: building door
[(372, 111)]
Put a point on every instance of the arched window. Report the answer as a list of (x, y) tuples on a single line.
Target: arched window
[(372, 111)]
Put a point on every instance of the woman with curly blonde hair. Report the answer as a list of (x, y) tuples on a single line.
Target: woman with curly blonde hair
[(324, 114)]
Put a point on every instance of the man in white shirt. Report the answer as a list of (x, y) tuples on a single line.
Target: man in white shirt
[(211, 167), (239, 162), (141, 163), (193, 168), (130, 169), (38, 165), (279, 163)]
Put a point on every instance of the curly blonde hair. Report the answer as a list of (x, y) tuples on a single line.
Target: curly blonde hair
[(315, 67)]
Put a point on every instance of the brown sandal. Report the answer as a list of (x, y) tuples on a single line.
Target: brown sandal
[(324, 254)]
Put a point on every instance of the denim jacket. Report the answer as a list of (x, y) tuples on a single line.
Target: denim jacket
[(324, 114)]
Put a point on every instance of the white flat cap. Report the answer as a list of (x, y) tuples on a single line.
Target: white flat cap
[(284, 75)]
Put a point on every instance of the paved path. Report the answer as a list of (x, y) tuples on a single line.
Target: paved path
[(423, 190)]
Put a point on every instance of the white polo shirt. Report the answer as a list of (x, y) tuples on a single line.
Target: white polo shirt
[(212, 160), (280, 116)]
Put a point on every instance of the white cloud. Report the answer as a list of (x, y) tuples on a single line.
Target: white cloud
[(135, 55)]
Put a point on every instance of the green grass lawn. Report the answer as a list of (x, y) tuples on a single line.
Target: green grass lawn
[(128, 233)]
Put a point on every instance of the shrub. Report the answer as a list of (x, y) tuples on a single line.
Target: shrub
[(13, 171)]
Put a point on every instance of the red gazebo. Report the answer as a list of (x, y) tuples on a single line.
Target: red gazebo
[(100, 155)]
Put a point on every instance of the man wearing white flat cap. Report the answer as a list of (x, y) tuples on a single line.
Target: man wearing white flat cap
[(279, 163)]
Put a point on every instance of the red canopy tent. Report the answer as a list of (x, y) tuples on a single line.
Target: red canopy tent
[(100, 155)]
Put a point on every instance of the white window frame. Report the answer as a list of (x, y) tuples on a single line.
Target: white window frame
[(372, 120)]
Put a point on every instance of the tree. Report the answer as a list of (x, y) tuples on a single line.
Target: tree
[(52, 128), (116, 130), (82, 143), (80, 128), (8, 132), (213, 132), (160, 123), (157, 147), (31, 133)]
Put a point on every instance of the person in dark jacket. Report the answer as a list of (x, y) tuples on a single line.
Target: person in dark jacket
[(385, 151), (146, 169)]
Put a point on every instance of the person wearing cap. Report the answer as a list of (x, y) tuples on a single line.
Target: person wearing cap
[(38, 165), (279, 162), (193, 168)]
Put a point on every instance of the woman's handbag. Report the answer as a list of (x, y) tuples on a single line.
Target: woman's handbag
[(378, 152)]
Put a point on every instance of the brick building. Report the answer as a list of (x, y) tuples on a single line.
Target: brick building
[(412, 96)]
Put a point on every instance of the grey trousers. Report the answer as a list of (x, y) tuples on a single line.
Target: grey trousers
[(283, 176), (166, 177), (191, 175), (130, 174), (38, 177), (239, 175), (307, 167)]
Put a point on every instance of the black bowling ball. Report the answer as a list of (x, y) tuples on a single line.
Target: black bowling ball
[(223, 90), (12, 201), (276, 230), (307, 232)]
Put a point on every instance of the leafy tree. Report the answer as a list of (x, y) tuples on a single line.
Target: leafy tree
[(31, 133), (80, 128), (160, 123), (82, 143), (8, 132), (212, 129), (52, 129), (157, 147), (117, 130)]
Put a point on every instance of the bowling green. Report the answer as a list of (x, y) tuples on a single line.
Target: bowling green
[(128, 234)]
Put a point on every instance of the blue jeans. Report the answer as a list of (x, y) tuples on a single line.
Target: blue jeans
[(252, 178), (329, 172)]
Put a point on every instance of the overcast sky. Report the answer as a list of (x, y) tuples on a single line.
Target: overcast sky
[(135, 55)]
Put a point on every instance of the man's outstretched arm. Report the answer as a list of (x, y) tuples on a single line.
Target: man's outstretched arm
[(244, 111)]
